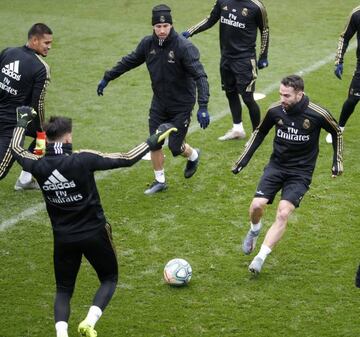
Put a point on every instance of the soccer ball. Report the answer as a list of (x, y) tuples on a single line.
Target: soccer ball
[(177, 272)]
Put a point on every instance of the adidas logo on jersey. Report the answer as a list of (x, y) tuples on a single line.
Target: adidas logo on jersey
[(12, 70), (57, 181)]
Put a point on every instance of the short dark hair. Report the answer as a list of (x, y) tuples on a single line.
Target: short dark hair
[(293, 81), (57, 127), (39, 29)]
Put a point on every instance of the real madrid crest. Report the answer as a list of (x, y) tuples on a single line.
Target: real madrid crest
[(306, 123), (171, 56), (245, 12), (162, 18)]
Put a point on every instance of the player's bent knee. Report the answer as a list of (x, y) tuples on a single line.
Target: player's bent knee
[(176, 151)]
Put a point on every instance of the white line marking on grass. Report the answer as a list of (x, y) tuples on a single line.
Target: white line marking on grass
[(21, 216), (41, 206)]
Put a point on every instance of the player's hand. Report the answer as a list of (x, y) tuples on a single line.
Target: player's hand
[(185, 34), (161, 133), (335, 172), (101, 86), (40, 143), (357, 278), (339, 68), (25, 114), (263, 63), (237, 168), (203, 117)]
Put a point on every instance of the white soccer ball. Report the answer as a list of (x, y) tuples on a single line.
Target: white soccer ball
[(177, 272)]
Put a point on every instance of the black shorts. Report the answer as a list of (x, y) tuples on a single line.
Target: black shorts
[(354, 89), (238, 75), (6, 157), (293, 184), (98, 250), (180, 117)]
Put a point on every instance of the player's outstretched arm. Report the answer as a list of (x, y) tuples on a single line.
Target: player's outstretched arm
[(95, 160)]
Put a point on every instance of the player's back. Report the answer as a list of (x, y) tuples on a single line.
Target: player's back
[(19, 67)]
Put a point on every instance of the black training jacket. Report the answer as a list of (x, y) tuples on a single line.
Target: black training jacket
[(67, 182), (24, 78), (296, 140), (239, 21), (352, 27), (174, 67)]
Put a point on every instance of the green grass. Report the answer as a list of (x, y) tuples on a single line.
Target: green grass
[(306, 288)]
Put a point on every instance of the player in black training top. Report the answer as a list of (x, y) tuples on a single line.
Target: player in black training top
[(352, 27), (77, 217), (298, 123), (175, 72), (239, 21), (24, 78)]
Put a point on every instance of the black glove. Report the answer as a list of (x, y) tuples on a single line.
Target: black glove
[(263, 63), (25, 114), (161, 133), (357, 278), (203, 117), (237, 168), (101, 86)]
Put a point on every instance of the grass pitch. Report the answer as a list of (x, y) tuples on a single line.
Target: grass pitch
[(306, 288)]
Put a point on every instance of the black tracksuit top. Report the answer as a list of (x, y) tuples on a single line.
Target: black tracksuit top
[(352, 27), (68, 185), (174, 67), (296, 140), (239, 21), (24, 77)]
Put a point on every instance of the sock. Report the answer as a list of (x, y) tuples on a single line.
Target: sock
[(61, 329), (25, 177), (93, 315), (264, 252), (255, 227), (238, 127), (194, 155), (160, 176), (342, 128)]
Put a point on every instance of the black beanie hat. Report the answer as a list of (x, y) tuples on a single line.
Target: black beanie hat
[(161, 14)]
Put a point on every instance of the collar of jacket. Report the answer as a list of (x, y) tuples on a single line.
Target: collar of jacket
[(54, 149), (167, 41), (299, 106)]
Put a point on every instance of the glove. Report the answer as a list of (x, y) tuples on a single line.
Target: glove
[(339, 68), (101, 86), (185, 34), (357, 278), (25, 114), (237, 168), (161, 133), (263, 63), (335, 171), (203, 117), (40, 143)]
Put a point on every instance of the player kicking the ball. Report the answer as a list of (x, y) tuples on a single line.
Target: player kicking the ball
[(297, 124), (76, 214)]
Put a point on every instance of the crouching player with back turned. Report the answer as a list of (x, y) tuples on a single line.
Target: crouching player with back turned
[(297, 123), (73, 205)]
